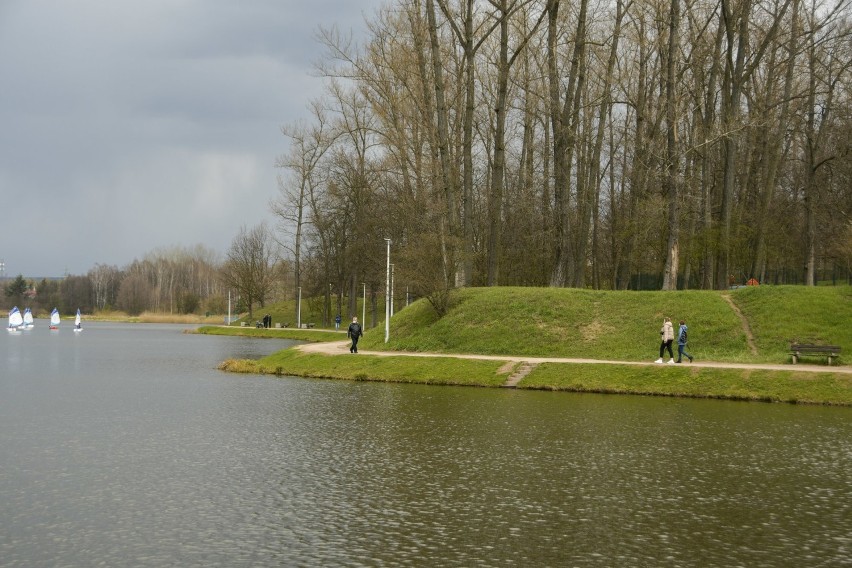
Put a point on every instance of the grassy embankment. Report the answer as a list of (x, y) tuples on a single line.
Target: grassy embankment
[(536, 322)]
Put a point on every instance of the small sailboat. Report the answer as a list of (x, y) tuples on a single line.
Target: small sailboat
[(28, 320), (54, 319), (77, 326), (15, 320)]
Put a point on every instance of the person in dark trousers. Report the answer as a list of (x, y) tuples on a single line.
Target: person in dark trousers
[(354, 332), (666, 338), (681, 343)]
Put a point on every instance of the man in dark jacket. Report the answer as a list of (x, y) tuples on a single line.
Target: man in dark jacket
[(354, 332)]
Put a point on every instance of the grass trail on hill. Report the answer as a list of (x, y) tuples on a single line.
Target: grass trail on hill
[(780, 315)]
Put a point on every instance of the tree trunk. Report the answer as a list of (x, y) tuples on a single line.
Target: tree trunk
[(495, 196), (672, 161), (775, 149), (564, 125)]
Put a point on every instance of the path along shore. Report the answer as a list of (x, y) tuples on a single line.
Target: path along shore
[(342, 348)]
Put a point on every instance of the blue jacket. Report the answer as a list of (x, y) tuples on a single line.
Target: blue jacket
[(681, 335)]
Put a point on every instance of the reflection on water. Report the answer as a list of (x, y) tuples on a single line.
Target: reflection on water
[(124, 446)]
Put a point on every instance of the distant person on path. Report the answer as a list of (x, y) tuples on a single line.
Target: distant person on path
[(354, 332), (337, 320), (666, 339), (681, 343)]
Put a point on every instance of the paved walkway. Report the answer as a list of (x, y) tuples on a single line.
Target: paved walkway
[(342, 348)]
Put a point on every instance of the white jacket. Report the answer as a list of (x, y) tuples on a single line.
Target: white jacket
[(667, 331)]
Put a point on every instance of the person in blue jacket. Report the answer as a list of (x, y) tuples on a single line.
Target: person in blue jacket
[(681, 343)]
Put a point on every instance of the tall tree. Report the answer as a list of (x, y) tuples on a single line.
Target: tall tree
[(250, 264), (671, 183), (308, 145), (565, 113)]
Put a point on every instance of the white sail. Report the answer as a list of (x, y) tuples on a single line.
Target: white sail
[(28, 319), (15, 319), (54, 318)]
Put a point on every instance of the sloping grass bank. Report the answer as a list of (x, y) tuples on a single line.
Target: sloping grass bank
[(736, 384), (780, 315), (694, 382), (425, 370)]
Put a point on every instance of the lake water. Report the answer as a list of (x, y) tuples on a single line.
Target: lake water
[(124, 446)]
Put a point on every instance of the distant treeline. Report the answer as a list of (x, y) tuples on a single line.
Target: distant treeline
[(180, 281)]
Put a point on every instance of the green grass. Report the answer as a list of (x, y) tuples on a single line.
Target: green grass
[(431, 370), (780, 315), (567, 323), (623, 325), (739, 384), (604, 325)]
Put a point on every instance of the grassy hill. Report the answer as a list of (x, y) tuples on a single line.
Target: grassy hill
[(779, 315), (623, 325)]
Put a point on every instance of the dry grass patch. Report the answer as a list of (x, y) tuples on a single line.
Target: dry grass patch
[(595, 330)]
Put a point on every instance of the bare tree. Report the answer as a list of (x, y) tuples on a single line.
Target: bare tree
[(249, 267), (670, 272), (105, 281), (309, 145)]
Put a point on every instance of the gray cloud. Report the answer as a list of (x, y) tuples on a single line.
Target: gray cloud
[(130, 126)]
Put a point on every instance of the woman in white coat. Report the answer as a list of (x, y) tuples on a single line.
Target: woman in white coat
[(666, 339)]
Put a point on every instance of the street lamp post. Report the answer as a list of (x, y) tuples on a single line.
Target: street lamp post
[(387, 295), (364, 307), (299, 311)]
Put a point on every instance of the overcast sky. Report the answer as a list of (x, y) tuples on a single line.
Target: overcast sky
[(128, 125)]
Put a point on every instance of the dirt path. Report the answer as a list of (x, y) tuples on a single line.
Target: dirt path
[(342, 348), (749, 336)]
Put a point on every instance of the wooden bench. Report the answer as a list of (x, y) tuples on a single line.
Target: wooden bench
[(799, 349)]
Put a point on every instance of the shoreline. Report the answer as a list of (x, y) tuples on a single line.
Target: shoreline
[(329, 358)]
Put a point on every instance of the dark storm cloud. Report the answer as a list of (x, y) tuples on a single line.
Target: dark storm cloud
[(130, 126)]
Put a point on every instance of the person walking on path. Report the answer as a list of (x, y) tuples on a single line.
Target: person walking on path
[(337, 320), (666, 339), (354, 332), (681, 343)]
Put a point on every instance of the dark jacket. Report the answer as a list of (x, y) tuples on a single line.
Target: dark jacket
[(354, 330)]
